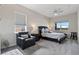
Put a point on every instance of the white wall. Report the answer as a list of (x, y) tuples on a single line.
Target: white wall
[(78, 24), (72, 18), (7, 23), (0, 36), (33, 19), (0, 45)]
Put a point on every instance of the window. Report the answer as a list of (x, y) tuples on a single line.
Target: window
[(62, 25), (21, 23)]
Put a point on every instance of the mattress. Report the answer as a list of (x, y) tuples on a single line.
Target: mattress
[(13, 52), (54, 35)]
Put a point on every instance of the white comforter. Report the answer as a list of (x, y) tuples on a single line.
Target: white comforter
[(53, 35)]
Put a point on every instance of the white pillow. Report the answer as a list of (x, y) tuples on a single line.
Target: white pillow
[(46, 30), (43, 30), (21, 38)]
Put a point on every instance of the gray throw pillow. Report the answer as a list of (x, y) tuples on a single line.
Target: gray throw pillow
[(24, 36)]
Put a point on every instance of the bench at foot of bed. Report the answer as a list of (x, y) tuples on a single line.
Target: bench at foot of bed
[(55, 40)]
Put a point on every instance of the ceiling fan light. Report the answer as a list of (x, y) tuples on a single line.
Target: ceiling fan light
[(57, 12)]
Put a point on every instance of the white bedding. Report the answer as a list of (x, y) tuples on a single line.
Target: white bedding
[(13, 52), (53, 35)]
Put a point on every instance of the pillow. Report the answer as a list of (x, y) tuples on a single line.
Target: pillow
[(46, 30), (43, 30), (24, 36), (29, 35), (21, 38)]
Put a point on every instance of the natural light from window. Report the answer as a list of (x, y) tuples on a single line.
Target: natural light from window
[(63, 24)]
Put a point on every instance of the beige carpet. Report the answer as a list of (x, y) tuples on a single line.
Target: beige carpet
[(45, 47)]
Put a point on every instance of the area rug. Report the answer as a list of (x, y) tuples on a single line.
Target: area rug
[(13, 52)]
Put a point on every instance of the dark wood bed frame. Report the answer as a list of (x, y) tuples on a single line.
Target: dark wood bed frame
[(47, 38)]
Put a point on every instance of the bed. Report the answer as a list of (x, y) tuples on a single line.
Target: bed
[(53, 36)]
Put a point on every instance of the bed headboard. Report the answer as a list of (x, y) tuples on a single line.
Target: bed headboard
[(40, 29)]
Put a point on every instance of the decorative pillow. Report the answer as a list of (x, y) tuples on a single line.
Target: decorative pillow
[(21, 38), (24, 36), (29, 34), (46, 30)]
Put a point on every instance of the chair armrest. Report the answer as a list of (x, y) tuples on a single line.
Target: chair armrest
[(27, 39), (32, 36)]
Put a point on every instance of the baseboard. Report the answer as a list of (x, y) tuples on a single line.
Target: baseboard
[(11, 44)]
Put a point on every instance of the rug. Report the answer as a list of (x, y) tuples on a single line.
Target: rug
[(13, 52)]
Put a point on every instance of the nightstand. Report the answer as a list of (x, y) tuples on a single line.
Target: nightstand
[(37, 37)]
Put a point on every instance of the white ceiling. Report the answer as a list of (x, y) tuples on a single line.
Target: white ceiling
[(47, 9)]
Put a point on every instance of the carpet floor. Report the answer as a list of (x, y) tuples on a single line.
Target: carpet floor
[(45, 47)]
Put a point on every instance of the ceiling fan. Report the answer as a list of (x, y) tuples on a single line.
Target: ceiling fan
[(57, 12)]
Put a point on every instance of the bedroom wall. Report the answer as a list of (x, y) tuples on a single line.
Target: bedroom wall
[(78, 24), (72, 18), (0, 36), (7, 22), (34, 19)]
